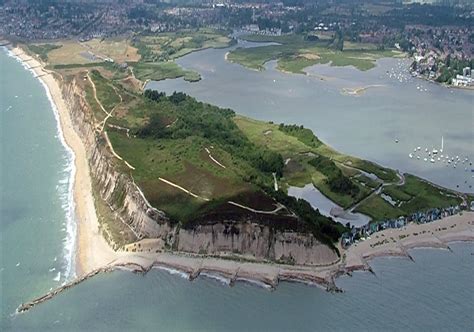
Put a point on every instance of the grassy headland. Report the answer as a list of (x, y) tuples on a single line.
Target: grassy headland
[(197, 162)]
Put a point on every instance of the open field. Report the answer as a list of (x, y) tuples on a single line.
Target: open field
[(172, 45), (150, 56), (294, 53), (72, 52), (120, 50)]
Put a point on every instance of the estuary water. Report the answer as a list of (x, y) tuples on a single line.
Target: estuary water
[(393, 107), (435, 292)]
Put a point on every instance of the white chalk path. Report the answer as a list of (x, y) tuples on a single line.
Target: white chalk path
[(113, 151), (213, 159), (183, 189), (279, 206)]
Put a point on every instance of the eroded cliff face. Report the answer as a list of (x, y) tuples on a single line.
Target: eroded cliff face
[(128, 206), (256, 242)]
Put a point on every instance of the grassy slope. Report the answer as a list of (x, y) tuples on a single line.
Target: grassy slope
[(300, 171)]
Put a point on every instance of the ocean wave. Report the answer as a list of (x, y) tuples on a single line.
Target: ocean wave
[(172, 271), (67, 197), (254, 282), (215, 276)]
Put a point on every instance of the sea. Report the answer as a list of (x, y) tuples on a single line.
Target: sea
[(435, 291)]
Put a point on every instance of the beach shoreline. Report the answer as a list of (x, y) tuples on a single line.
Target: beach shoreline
[(438, 234), (91, 249), (94, 255)]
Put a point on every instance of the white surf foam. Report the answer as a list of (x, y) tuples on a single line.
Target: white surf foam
[(215, 276), (254, 282), (67, 199), (172, 271)]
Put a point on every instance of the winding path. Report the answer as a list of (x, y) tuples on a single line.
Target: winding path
[(279, 206), (109, 114)]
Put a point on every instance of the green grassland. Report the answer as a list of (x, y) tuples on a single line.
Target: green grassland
[(294, 53), (301, 147), (158, 51), (42, 50), (158, 71), (106, 92), (172, 45), (155, 59)]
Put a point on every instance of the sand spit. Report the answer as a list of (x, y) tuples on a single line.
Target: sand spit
[(94, 255), (359, 91), (391, 242)]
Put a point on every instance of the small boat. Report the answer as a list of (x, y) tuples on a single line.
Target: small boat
[(426, 149), (435, 151), (439, 158), (425, 159), (432, 160), (396, 140), (418, 148), (410, 155), (417, 157)]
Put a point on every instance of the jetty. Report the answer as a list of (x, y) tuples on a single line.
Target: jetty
[(108, 268)]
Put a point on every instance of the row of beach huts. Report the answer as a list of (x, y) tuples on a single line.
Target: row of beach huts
[(360, 233)]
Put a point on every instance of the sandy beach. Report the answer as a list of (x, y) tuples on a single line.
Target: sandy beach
[(94, 254), (397, 242), (92, 251)]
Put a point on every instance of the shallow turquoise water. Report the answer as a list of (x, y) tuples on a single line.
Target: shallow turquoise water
[(433, 293), (35, 171)]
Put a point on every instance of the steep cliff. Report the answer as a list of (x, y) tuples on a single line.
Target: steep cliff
[(128, 208)]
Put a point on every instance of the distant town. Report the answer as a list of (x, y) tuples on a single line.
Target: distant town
[(439, 36)]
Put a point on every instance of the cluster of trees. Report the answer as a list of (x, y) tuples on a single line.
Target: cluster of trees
[(337, 181), (301, 133), (215, 124), (452, 67), (338, 41)]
